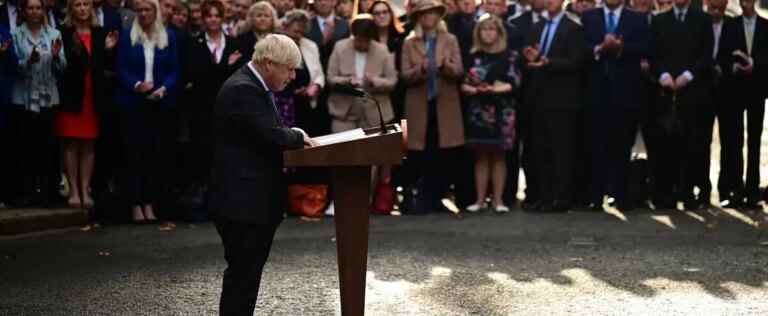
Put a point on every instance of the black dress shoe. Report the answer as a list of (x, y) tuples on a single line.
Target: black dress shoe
[(595, 207), (546, 208), (531, 205), (693, 205), (752, 204), (561, 207), (665, 205)]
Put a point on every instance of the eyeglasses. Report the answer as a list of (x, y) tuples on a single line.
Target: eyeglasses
[(380, 13)]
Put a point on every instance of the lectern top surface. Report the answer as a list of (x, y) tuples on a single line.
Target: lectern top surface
[(340, 137)]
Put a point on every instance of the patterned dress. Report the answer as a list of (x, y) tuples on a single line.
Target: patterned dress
[(490, 119)]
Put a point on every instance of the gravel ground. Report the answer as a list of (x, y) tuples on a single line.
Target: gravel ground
[(639, 263)]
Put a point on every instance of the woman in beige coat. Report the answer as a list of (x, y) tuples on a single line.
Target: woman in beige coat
[(431, 68)]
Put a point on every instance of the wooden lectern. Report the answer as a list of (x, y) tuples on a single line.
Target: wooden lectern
[(350, 156)]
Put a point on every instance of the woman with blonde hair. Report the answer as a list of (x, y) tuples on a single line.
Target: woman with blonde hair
[(261, 21), (89, 48), (490, 109), (148, 70), (432, 67)]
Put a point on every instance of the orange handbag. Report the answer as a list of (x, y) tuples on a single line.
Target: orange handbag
[(307, 200)]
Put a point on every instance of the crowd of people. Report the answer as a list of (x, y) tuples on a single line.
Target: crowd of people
[(115, 98)]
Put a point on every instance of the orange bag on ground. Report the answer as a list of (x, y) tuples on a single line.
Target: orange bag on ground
[(307, 199)]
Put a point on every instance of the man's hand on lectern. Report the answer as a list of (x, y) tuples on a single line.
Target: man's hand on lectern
[(308, 141)]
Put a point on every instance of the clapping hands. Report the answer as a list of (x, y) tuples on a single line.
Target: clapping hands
[(111, 40)]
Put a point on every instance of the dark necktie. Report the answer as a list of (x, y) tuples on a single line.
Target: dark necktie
[(274, 106), (680, 17)]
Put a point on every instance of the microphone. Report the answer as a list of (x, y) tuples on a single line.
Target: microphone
[(355, 92)]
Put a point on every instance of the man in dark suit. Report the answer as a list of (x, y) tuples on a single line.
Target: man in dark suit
[(683, 42), (462, 24), (9, 15), (745, 60), (729, 118), (518, 27), (248, 191), (108, 17), (619, 39), (327, 29), (555, 55)]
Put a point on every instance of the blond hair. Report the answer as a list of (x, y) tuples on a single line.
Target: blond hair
[(499, 45), (68, 21), (159, 35), (263, 6), (277, 48)]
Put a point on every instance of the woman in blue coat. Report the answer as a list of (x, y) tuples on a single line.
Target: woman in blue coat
[(148, 69)]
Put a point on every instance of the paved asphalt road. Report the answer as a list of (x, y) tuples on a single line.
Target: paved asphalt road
[(640, 263)]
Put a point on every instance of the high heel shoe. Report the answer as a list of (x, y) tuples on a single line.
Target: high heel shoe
[(75, 202), (88, 202), (138, 216)]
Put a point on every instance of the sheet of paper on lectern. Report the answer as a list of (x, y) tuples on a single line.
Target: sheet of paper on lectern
[(340, 137)]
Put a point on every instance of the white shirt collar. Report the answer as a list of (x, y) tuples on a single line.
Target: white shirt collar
[(616, 11), (750, 20), (255, 72), (683, 10)]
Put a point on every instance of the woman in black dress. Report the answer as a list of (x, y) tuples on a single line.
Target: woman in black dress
[(490, 109)]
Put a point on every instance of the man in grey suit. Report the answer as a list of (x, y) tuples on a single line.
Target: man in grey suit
[(247, 191)]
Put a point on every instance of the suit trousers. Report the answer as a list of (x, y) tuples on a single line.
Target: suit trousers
[(148, 136), (39, 154), (246, 249), (553, 141), (730, 122), (611, 134), (755, 114), (683, 161)]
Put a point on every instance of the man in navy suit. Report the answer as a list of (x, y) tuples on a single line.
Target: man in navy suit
[(746, 63), (618, 39)]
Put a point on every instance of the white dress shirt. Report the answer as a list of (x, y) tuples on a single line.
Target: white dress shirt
[(149, 60), (749, 32), (717, 29), (360, 60), (211, 44)]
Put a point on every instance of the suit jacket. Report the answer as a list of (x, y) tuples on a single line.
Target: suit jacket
[(558, 86), (130, 70), (687, 46), (205, 76), (449, 119), (8, 64), (616, 80), (4, 19), (247, 180), (246, 41), (462, 26), (126, 17), (340, 31), (750, 86), (521, 25), (379, 65), (112, 19), (78, 61)]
